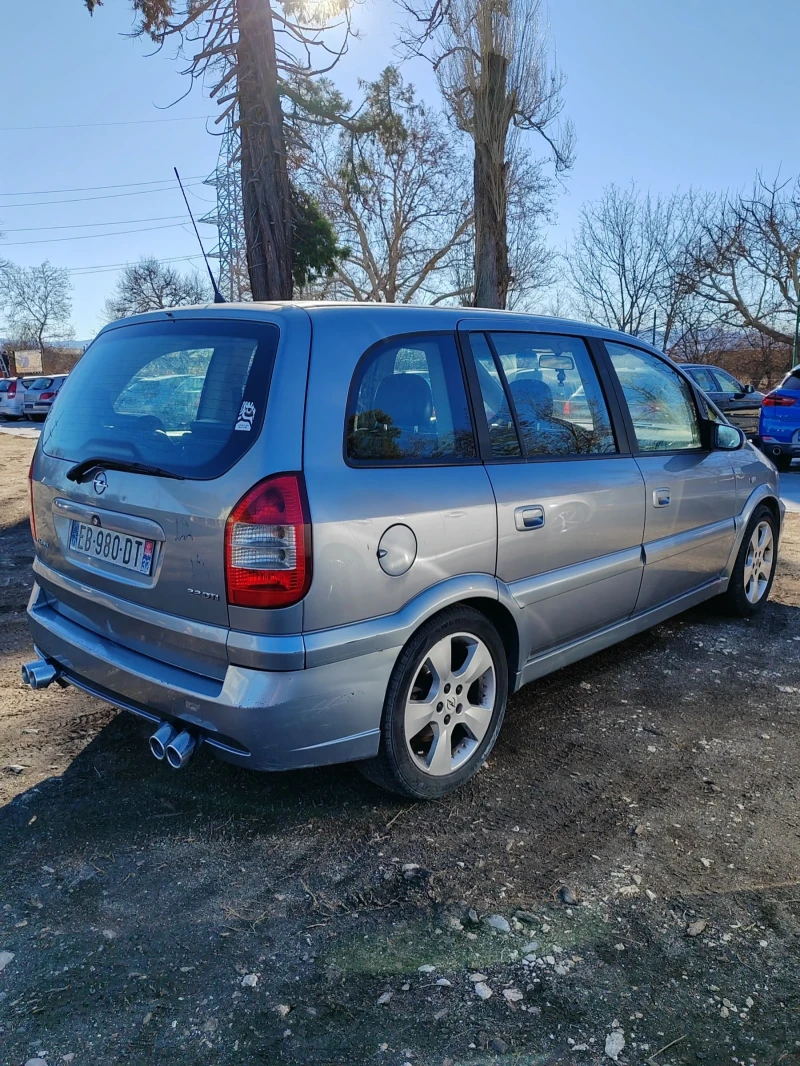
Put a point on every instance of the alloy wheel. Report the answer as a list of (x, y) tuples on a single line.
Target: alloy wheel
[(758, 562), (450, 704)]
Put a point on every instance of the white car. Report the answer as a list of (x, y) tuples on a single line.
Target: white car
[(12, 396)]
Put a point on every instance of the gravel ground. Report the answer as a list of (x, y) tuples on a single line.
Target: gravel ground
[(621, 878)]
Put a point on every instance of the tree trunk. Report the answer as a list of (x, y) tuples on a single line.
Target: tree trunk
[(492, 275), (265, 177)]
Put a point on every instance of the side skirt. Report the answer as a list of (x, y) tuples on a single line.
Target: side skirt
[(541, 665)]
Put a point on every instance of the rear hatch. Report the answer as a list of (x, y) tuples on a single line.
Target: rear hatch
[(148, 446)]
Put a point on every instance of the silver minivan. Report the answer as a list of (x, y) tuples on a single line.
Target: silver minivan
[(302, 534)]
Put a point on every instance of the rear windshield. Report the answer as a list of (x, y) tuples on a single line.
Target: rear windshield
[(41, 383), (188, 396), (4, 385)]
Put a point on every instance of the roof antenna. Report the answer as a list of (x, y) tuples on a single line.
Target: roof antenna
[(218, 297)]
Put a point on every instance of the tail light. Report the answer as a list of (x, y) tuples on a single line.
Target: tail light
[(566, 409), (268, 545), (47, 396), (30, 491), (775, 399), (12, 390)]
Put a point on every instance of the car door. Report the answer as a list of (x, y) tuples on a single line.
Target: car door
[(570, 498), (690, 490), (741, 405)]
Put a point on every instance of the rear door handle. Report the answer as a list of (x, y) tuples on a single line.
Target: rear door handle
[(529, 517), (661, 497)]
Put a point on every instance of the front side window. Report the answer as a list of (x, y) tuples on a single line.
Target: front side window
[(556, 393), (660, 402), (728, 384), (408, 404)]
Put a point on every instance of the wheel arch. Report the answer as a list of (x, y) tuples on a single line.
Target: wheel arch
[(503, 621)]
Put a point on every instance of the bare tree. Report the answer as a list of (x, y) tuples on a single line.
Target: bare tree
[(150, 285), (37, 302), (628, 261), (257, 58), (746, 261), (494, 70), (398, 196)]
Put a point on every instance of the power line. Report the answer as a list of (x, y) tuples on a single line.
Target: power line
[(97, 188), (81, 272), (93, 236), (90, 199), (87, 225), (102, 268), (97, 125)]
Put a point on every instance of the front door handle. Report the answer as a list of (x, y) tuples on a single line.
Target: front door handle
[(529, 517), (661, 497)]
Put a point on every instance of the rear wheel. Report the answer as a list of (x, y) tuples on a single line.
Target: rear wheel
[(444, 706), (754, 569)]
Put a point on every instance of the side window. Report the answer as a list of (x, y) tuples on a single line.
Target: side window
[(728, 383), (408, 402), (704, 379), (502, 434), (792, 382), (554, 387), (660, 402)]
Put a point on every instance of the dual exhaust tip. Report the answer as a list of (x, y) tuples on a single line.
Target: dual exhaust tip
[(177, 748), (166, 743)]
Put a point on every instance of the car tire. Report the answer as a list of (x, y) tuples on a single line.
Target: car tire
[(458, 731), (754, 569)]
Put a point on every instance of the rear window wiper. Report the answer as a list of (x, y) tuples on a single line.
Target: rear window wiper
[(80, 470)]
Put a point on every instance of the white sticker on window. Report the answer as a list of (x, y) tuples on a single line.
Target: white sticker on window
[(246, 416)]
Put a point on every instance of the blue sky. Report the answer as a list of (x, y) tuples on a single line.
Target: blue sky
[(669, 94)]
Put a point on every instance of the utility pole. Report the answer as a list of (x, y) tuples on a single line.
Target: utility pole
[(796, 332), (654, 329)]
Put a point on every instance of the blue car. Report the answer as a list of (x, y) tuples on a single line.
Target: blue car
[(779, 425)]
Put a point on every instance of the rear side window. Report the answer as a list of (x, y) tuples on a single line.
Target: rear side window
[(792, 382), (704, 379), (188, 396), (408, 404), (556, 393)]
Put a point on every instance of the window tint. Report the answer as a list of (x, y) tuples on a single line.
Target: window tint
[(704, 379), (186, 395), (408, 402), (727, 383), (557, 396), (659, 400), (502, 434)]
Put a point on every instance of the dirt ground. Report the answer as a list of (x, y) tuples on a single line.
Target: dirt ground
[(220, 916)]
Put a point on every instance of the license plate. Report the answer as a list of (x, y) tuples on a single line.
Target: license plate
[(119, 549)]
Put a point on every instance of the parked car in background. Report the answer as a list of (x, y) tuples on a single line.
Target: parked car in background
[(39, 396), (12, 392), (779, 427), (741, 404), (301, 534)]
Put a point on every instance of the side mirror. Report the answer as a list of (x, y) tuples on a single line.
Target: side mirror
[(728, 438), (748, 389)]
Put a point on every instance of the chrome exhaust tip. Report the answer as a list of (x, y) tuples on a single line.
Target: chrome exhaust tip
[(161, 739), (39, 674), (180, 750)]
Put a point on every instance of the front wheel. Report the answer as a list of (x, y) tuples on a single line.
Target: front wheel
[(444, 706), (754, 569)]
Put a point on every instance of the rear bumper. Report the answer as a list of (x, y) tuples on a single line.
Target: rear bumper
[(263, 719)]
